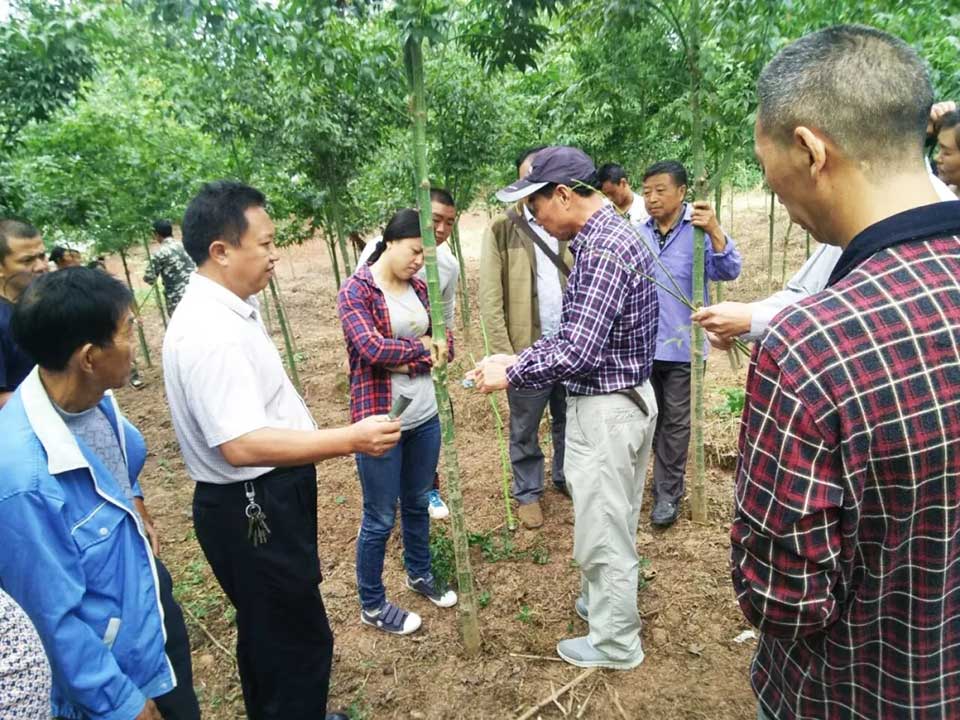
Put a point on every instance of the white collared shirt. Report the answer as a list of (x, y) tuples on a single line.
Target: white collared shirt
[(549, 292), (637, 214), (224, 378)]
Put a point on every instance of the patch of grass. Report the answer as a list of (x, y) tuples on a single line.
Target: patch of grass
[(359, 710), (525, 615), (340, 499), (484, 598), (641, 571), (442, 563), (540, 554), (734, 398)]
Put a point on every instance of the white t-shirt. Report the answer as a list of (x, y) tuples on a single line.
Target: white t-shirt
[(549, 292), (224, 378), (447, 267), (408, 319)]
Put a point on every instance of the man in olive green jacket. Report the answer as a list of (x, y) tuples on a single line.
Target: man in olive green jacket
[(521, 289)]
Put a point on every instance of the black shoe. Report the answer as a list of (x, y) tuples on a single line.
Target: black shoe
[(337, 716), (664, 513), (562, 489)]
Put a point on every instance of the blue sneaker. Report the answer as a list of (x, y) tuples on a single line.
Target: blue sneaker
[(437, 508), (392, 619), (427, 588)]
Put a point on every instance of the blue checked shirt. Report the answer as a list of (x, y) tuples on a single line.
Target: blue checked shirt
[(608, 324)]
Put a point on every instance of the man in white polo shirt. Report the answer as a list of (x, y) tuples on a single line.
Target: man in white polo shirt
[(250, 444)]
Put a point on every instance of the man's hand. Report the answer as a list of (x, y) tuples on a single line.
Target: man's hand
[(490, 374), (152, 535), (703, 216), (726, 320), (149, 712), (375, 435), (720, 343), (938, 111)]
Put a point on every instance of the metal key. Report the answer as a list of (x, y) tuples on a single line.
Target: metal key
[(257, 529)]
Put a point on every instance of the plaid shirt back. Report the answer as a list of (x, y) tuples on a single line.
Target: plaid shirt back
[(846, 536), (371, 347)]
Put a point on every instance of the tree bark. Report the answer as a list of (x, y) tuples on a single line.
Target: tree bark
[(698, 493), (136, 311), (469, 624)]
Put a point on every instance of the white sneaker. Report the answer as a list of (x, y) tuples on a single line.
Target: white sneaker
[(437, 508)]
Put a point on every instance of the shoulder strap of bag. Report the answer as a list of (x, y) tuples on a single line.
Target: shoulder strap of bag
[(521, 222)]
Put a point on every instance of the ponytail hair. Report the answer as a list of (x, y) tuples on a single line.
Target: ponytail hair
[(404, 224)]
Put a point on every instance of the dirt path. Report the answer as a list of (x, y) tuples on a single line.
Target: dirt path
[(693, 668)]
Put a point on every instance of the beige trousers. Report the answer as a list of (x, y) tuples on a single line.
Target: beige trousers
[(608, 449)]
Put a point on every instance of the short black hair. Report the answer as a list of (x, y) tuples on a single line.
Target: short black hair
[(216, 213), (527, 152), (163, 228), (867, 90), (56, 255), (63, 311), (950, 120), (10, 229), (673, 168), (442, 196), (404, 224), (611, 172)]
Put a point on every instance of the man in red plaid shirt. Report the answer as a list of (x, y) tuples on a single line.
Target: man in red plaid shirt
[(846, 536)]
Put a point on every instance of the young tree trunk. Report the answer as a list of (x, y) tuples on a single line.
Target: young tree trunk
[(287, 340), (698, 493), (333, 260), (341, 240), (773, 206), (463, 285), (413, 58), (783, 266), (265, 306), (732, 197), (808, 245), (136, 311), (160, 296)]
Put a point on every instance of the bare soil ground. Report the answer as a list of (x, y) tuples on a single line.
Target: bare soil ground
[(693, 667)]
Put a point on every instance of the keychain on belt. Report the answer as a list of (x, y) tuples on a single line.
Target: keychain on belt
[(257, 529)]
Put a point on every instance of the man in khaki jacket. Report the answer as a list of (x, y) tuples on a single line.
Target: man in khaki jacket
[(521, 289)]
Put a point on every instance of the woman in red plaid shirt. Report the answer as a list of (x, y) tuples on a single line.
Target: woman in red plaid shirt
[(386, 322)]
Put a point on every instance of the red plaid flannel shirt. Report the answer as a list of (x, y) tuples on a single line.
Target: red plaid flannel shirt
[(371, 346), (846, 536)]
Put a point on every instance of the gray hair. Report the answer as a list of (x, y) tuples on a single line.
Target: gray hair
[(867, 90)]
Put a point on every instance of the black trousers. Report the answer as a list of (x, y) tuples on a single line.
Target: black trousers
[(671, 385), (181, 702), (284, 642)]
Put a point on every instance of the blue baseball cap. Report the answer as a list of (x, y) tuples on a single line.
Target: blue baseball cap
[(560, 164)]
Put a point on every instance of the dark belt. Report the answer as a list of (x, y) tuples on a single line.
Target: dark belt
[(627, 392)]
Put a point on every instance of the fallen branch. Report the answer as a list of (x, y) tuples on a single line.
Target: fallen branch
[(583, 708), (210, 635), (616, 700), (543, 703), (535, 657)]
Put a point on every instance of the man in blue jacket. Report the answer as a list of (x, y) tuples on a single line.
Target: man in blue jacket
[(80, 545)]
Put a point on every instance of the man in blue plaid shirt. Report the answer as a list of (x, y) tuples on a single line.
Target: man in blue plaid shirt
[(602, 354), (846, 531)]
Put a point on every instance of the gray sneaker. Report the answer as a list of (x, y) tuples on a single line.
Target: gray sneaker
[(392, 619), (428, 588), (581, 609), (579, 652)]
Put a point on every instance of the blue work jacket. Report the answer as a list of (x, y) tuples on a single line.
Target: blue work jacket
[(76, 558)]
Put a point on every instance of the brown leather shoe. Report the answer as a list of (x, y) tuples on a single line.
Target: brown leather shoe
[(530, 515)]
